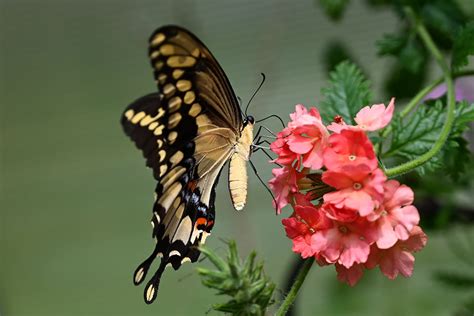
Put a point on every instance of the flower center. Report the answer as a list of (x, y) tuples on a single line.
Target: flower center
[(352, 157), (343, 229), (384, 213), (357, 186), (362, 126)]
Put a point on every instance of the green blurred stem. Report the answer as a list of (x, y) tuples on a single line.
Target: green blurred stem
[(448, 79), (290, 298)]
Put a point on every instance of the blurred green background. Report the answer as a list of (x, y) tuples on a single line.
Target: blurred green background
[(75, 194)]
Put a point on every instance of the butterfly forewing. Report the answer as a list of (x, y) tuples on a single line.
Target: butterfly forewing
[(182, 61), (186, 132)]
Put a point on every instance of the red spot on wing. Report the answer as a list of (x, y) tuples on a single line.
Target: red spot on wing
[(192, 185), (210, 224), (201, 223)]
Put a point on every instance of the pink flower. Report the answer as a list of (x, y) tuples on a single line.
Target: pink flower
[(280, 147), (302, 116), (302, 245), (284, 185), (341, 214), (346, 213), (375, 117), (302, 199), (303, 140), (368, 118), (399, 258), (350, 275), (306, 220), (309, 141), (358, 188), (344, 243), (349, 148), (396, 218)]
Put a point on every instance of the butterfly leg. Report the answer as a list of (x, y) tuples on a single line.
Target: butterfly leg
[(258, 137), (258, 176)]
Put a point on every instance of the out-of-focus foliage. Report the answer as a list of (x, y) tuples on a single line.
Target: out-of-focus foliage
[(461, 277), (335, 53), (463, 46), (443, 19), (245, 282), (467, 309), (455, 279), (406, 48), (334, 8)]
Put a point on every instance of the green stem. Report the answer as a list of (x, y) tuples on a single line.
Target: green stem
[(290, 298), (448, 124), (423, 93)]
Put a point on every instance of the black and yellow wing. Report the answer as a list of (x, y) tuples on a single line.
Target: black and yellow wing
[(187, 132)]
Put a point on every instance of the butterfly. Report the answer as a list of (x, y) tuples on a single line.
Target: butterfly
[(187, 132)]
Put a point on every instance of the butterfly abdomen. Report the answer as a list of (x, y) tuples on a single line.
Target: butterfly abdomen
[(238, 168), (238, 181)]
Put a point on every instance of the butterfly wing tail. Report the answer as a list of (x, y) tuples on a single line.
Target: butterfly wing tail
[(151, 289)]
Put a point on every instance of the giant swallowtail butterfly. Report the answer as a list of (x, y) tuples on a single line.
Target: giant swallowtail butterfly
[(187, 132)]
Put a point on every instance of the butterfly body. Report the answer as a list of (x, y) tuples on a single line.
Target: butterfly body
[(187, 132)]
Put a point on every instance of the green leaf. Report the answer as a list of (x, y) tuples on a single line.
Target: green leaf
[(391, 44), (215, 259), (348, 91), (463, 46), (334, 8), (416, 135)]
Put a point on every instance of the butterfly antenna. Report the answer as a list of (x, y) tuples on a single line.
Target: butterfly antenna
[(264, 184), (270, 116), (256, 91)]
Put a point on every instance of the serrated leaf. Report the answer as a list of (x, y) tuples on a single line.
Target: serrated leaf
[(348, 91), (250, 290), (334, 8), (416, 135), (463, 46)]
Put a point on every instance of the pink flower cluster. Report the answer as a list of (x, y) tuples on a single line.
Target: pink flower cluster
[(346, 212)]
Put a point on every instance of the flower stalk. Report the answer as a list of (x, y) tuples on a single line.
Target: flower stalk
[(290, 298), (448, 78)]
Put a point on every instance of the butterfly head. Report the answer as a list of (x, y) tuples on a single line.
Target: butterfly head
[(249, 120)]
